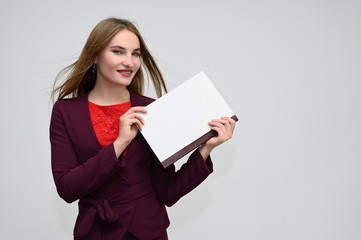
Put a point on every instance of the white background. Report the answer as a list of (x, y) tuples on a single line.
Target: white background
[(290, 70)]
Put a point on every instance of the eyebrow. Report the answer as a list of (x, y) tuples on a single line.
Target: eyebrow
[(117, 46)]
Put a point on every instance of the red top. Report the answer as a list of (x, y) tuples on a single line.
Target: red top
[(105, 120)]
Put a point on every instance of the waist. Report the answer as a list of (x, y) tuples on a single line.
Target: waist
[(102, 206)]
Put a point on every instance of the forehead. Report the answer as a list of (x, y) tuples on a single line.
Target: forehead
[(125, 39)]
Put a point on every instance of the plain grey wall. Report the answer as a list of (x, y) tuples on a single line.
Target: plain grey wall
[(290, 70)]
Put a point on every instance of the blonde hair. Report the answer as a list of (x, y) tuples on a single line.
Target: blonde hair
[(81, 79)]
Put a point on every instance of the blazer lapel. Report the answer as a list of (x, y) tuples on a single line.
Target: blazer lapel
[(139, 100), (84, 113)]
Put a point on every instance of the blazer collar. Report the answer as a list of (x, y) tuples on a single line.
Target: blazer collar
[(135, 99), (139, 100)]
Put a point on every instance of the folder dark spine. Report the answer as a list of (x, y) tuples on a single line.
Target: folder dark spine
[(184, 151)]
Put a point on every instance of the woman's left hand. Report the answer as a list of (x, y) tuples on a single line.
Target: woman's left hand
[(224, 128)]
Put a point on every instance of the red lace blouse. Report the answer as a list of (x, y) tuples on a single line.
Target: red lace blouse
[(105, 120)]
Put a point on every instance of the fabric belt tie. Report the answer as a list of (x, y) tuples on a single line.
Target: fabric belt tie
[(105, 211), (102, 207)]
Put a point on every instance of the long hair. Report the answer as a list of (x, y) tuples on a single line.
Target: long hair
[(80, 78)]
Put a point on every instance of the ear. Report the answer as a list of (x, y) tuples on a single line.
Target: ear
[(96, 60)]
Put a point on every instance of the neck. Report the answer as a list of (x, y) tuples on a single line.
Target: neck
[(108, 96)]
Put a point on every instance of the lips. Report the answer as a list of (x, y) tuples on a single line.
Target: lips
[(125, 72)]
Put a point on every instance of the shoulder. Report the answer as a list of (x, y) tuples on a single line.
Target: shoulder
[(70, 104)]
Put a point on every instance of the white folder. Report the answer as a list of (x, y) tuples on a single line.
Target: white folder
[(177, 122)]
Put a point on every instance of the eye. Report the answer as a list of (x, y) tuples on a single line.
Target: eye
[(117, 52), (137, 54)]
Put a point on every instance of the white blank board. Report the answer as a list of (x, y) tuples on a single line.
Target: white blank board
[(180, 117)]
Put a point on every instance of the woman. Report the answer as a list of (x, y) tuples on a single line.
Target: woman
[(98, 155)]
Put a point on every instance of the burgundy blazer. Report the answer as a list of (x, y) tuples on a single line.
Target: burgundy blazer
[(115, 195)]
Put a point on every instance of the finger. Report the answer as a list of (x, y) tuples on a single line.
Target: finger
[(135, 122), (230, 120), (131, 116), (135, 110), (224, 131), (218, 126), (139, 117), (139, 109), (223, 121), (218, 122), (138, 124), (221, 137), (229, 124), (218, 130)]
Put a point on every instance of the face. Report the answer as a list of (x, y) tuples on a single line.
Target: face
[(119, 61)]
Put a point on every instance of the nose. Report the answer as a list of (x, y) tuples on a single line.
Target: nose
[(128, 60)]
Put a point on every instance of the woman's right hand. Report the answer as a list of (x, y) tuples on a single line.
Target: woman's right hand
[(129, 123)]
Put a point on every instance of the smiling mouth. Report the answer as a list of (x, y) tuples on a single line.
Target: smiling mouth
[(125, 73)]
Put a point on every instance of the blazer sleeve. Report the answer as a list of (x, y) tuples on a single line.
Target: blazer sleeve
[(171, 185), (73, 179)]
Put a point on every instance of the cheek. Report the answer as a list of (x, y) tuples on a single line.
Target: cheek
[(107, 59), (137, 64)]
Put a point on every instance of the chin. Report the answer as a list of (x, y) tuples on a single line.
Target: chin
[(123, 83)]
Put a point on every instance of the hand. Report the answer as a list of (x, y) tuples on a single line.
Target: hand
[(224, 128), (129, 123)]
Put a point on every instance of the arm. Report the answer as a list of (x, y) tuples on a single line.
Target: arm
[(170, 186), (73, 179)]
